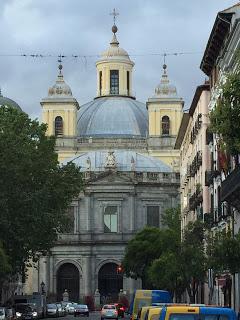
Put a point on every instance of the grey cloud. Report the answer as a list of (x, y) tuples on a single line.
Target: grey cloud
[(84, 27)]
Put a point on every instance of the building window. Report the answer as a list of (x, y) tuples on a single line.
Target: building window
[(110, 219), (128, 83), (71, 220), (114, 82), (165, 125), (58, 126), (153, 216), (100, 83)]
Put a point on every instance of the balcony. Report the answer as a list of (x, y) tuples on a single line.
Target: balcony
[(230, 189), (210, 175)]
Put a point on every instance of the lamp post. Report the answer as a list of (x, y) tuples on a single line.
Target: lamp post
[(42, 284)]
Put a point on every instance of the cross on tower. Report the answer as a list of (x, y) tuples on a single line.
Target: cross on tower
[(114, 14), (164, 58)]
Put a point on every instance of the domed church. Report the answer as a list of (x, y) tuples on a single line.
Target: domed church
[(125, 149)]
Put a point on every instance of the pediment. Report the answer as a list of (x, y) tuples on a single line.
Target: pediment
[(110, 177)]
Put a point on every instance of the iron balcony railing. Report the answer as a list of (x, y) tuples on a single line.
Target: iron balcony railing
[(230, 188)]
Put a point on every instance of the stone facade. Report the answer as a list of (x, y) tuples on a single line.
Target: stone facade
[(130, 177)]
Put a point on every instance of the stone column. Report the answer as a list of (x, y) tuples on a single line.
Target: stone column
[(43, 272), (51, 272), (88, 273), (132, 212)]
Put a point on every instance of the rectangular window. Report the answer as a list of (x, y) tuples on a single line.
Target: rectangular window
[(128, 83), (114, 82), (110, 219), (100, 83), (71, 220), (153, 216)]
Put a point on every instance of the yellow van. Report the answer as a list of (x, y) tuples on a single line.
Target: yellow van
[(144, 311), (191, 312), (154, 313)]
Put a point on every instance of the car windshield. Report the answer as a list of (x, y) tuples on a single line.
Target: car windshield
[(23, 308), (82, 306), (51, 306), (109, 307)]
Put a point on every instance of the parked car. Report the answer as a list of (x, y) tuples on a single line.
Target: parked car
[(120, 309), (26, 311), (10, 313), (71, 308), (81, 309), (109, 311), (66, 306), (2, 313), (52, 310), (61, 310)]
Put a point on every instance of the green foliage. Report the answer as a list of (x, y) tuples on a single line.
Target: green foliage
[(141, 251), (150, 244), (224, 253), (166, 273), (194, 258), (5, 268), (35, 191), (167, 261), (225, 117)]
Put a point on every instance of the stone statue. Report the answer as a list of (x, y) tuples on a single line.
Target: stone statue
[(65, 295), (110, 160), (133, 165), (88, 163)]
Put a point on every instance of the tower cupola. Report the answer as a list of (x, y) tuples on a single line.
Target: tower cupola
[(60, 109), (114, 70)]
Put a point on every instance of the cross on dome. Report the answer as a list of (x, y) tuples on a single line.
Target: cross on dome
[(114, 14)]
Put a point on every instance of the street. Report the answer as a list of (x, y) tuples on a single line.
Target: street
[(92, 316)]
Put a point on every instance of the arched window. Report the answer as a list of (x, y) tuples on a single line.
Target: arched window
[(165, 125), (100, 83), (114, 82), (58, 126)]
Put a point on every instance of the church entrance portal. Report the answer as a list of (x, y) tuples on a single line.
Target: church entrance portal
[(110, 282), (68, 278)]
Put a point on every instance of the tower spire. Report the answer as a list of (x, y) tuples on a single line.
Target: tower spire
[(114, 41)]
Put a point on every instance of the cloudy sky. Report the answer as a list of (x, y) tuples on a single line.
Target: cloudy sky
[(147, 29)]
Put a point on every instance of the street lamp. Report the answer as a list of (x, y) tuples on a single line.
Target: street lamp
[(42, 284)]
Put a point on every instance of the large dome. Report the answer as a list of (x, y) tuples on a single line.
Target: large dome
[(113, 117), (4, 101), (124, 160)]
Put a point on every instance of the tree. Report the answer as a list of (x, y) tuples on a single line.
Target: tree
[(224, 253), (194, 258), (150, 244), (141, 251), (225, 117), (5, 268), (166, 273), (35, 190)]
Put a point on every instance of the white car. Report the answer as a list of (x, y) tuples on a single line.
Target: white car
[(71, 308), (109, 311), (2, 314)]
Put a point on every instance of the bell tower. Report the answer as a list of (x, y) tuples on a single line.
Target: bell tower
[(165, 115), (114, 70), (59, 109), (164, 109)]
